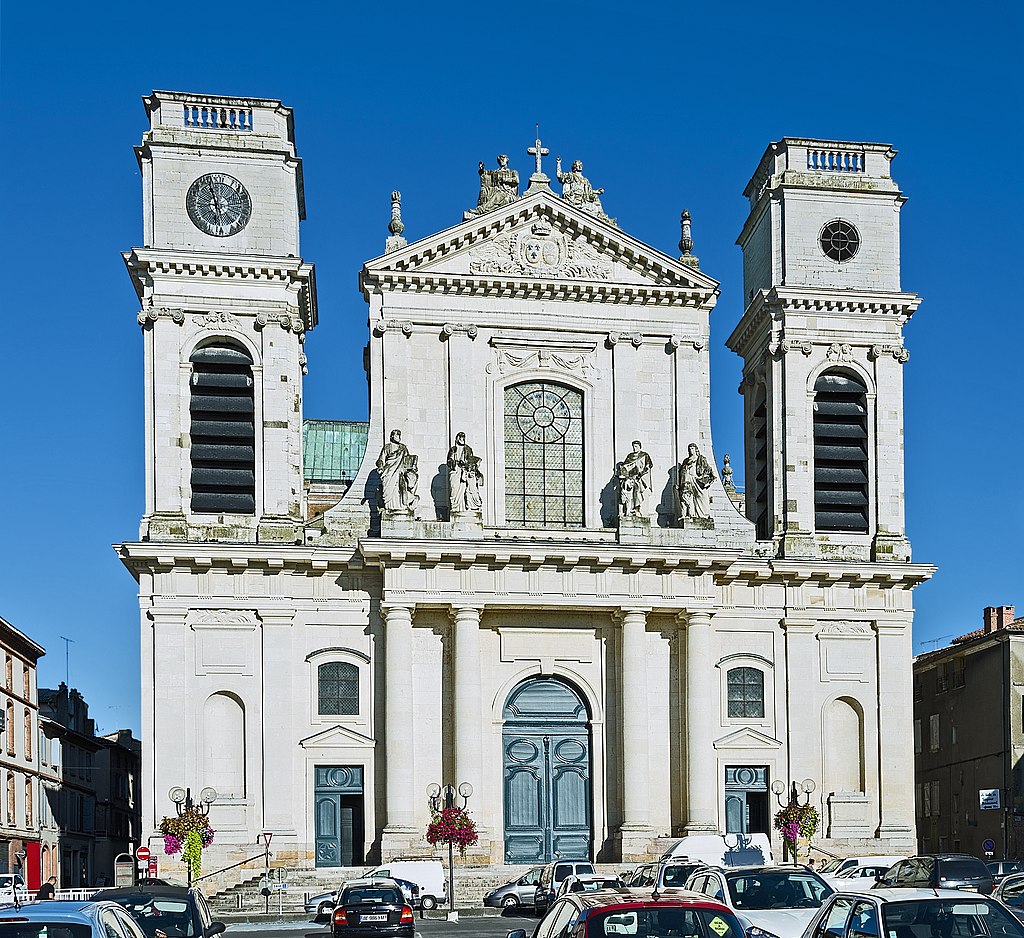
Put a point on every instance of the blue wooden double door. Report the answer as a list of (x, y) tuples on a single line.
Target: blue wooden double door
[(338, 812), (547, 772)]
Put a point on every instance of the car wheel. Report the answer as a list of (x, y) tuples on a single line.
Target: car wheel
[(325, 910), (428, 902), (510, 902)]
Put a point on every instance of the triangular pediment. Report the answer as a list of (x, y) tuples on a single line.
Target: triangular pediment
[(336, 736), (747, 738), (545, 242)]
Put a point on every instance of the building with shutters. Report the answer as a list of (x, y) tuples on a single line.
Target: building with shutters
[(598, 641)]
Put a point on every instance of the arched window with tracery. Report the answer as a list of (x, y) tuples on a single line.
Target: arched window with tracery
[(222, 430), (840, 453), (543, 455), (745, 688), (338, 688)]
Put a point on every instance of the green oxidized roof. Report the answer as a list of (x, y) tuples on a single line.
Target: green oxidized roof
[(332, 449)]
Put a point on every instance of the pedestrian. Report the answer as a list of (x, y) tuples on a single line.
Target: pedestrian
[(810, 862), (48, 889)]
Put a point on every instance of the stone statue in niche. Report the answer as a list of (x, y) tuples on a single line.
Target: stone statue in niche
[(465, 478), (695, 478), (399, 475), (577, 190), (634, 474), (497, 187), (727, 474)]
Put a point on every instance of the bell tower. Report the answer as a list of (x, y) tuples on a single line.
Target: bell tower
[(821, 338), (225, 303)]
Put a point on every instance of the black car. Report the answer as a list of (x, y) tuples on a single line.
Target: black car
[(940, 871), (165, 911), (372, 907)]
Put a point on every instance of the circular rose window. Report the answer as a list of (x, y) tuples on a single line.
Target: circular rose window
[(839, 240)]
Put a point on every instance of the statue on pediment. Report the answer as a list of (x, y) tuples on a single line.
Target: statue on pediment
[(399, 475), (634, 475), (464, 477), (577, 190), (497, 187), (695, 479)]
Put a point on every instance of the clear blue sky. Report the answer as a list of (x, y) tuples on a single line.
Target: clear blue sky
[(669, 105)]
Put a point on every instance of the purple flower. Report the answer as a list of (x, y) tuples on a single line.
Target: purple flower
[(172, 844)]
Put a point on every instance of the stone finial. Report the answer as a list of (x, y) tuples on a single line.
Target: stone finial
[(727, 474), (686, 241), (395, 240), (539, 179)]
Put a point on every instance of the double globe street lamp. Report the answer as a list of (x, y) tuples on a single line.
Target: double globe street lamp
[(183, 804), (443, 799), (796, 789)]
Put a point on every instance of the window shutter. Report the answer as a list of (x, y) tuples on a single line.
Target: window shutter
[(840, 454)]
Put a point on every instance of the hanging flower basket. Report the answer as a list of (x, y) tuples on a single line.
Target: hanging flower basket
[(452, 826), (188, 834), (795, 821)]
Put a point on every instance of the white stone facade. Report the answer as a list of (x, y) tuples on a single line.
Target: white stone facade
[(443, 621)]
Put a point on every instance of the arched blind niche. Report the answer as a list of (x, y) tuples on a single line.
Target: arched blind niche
[(224, 751), (222, 431), (840, 453)]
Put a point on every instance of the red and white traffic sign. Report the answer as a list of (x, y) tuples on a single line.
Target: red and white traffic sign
[(142, 853)]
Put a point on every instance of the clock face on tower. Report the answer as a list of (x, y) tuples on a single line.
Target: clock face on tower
[(218, 204)]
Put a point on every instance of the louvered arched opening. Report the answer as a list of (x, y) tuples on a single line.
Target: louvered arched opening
[(222, 431), (840, 453), (759, 467)]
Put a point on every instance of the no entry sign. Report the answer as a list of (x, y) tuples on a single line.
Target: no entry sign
[(142, 853)]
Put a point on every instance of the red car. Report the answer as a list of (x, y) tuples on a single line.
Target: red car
[(612, 913)]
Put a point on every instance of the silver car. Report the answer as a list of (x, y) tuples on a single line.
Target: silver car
[(518, 893), (58, 919)]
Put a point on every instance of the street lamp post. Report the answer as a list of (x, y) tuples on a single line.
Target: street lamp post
[(265, 839), (442, 799), (183, 804), (795, 790)]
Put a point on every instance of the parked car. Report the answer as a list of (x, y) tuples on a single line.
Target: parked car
[(322, 905), (171, 911), (673, 874), (644, 875), (854, 877), (775, 900), (429, 875), (589, 882), (940, 871), (9, 882), (626, 912), (1010, 892), (56, 919), (372, 908), (516, 893), (841, 866), (911, 913), (1000, 869), (551, 878)]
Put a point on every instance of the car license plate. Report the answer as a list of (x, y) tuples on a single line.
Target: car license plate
[(373, 918)]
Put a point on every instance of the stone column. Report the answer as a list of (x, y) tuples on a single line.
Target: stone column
[(635, 832), (701, 720), (400, 831), (895, 731), (468, 720)]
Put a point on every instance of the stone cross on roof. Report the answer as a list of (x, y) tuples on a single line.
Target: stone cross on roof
[(538, 151)]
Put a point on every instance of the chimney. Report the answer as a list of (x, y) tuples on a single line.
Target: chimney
[(997, 617)]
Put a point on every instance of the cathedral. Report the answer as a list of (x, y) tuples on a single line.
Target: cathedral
[(535, 581)]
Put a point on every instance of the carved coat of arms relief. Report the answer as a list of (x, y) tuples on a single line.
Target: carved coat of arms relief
[(540, 252)]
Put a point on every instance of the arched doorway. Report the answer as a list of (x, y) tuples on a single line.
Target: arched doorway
[(546, 754)]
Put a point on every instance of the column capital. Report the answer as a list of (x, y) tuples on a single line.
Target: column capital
[(796, 624), (390, 610), (631, 612), (696, 615), (891, 627), (461, 612)]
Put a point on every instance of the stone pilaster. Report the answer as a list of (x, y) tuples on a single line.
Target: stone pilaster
[(895, 732), (636, 832), (804, 748), (400, 831), (701, 762)]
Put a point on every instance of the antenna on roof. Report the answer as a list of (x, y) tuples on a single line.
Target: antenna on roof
[(68, 642)]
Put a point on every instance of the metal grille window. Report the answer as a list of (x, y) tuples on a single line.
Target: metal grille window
[(746, 693), (759, 435), (223, 431), (339, 688), (840, 453), (543, 456)]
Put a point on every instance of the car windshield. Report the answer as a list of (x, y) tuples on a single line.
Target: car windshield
[(677, 875), (374, 895), (158, 913), (962, 869), (37, 929), (590, 885), (831, 866), (664, 922), (777, 889), (950, 917)]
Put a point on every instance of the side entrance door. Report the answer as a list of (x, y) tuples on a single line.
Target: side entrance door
[(746, 800), (546, 744), (338, 815)]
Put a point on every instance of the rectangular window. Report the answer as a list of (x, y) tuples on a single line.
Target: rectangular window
[(941, 678), (745, 688), (959, 672), (936, 800), (918, 799), (952, 734), (27, 678), (917, 687), (917, 735), (926, 810), (933, 732)]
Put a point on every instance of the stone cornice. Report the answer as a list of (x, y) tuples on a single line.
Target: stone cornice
[(780, 300), (146, 264)]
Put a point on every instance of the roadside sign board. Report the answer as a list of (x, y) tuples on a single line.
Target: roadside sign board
[(988, 845), (142, 853), (152, 868), (124, 870), (988, 799)]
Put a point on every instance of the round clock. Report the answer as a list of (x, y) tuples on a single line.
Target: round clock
[(218, 204)]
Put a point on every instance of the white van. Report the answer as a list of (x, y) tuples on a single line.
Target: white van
[(723, 849), (427, 874), (8, 883)]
